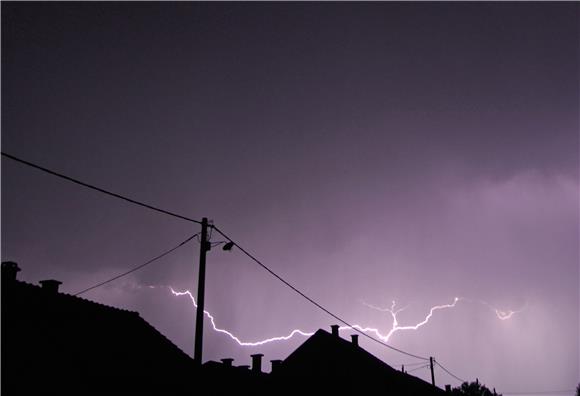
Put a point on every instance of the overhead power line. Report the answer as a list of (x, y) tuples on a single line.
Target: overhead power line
[(418, 368), (449, 372), (312, 301), (102, 190), (570, 391), (176, 215), (137, 268), (92, 187), (408, 364)]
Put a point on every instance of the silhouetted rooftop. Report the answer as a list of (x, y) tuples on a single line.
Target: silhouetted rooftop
[(331, 363), (63, 342), (58, 343)]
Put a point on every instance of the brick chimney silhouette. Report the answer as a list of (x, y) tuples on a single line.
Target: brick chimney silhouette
[(227, 362), (50, 285), (257, 362), (354, 338), (10, 270), (335, 330)]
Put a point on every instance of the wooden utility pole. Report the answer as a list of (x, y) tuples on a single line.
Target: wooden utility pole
[(432, 372), (205, 246)]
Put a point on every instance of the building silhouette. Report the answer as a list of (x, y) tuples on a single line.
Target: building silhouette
[(56, 343), (326, 363)]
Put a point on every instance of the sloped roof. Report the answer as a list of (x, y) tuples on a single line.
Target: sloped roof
[(62, 339), (332, 364)]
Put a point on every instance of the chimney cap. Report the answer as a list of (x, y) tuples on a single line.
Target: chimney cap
[(11, 265), (9, 270), (50, 285), (257, 362), (227, 361), (335, 329), (354, 338)]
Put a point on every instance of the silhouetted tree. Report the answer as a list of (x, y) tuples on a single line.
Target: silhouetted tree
[(578, 390), (473, 389)]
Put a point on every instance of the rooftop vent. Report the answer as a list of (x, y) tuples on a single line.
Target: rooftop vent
[(354, 338), (335, 330), (9, 271), (257, 362), (50, 285)]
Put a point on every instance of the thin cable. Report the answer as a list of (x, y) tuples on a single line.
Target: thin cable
[(311, 300), (136, 268), (538, 393), (408, 364), (417, 368), (449, 372), (99, 189)]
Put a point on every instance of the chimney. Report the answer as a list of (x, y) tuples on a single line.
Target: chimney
[(354, 338), (276, 364), (257, 362), (448, 388), (9, 271), (227, 362), (50, 285), (335, 330)]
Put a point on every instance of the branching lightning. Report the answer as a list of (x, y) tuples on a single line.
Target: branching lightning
[(385, 337), (232, 336), (392, 310), (294, 332), (499, 313)]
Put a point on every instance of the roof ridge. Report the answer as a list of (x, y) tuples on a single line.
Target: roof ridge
[(77, 298)]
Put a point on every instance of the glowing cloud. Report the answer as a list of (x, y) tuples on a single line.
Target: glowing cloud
[(503, 314)]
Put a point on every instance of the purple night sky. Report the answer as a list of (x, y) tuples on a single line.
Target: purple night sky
[(366, 152)]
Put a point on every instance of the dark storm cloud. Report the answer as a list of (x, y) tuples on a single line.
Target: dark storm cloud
[(370, 151)]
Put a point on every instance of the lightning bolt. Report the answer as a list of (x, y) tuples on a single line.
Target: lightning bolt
[(384, 337), (232, 336), (392, 310), (500, 313)]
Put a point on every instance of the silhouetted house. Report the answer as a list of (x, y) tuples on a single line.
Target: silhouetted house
[(55, 343), (329, 364)]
